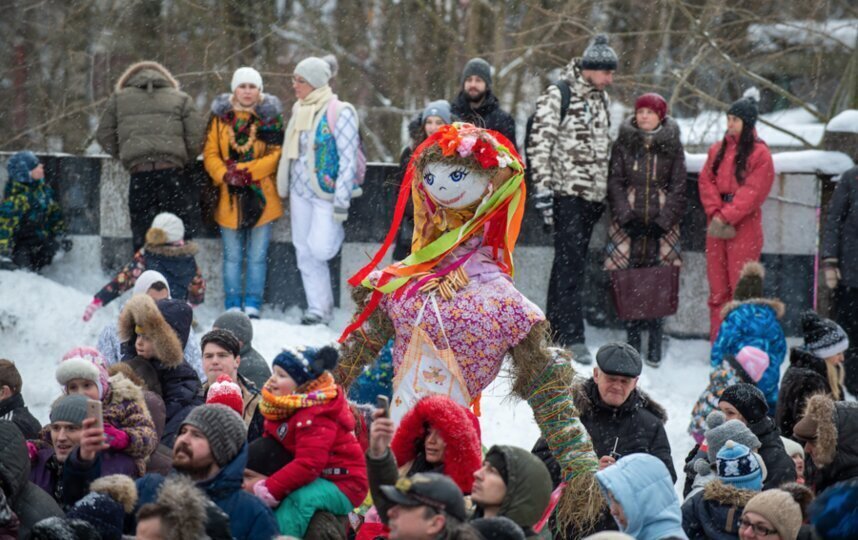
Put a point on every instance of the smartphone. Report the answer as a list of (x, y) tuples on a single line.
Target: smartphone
[(383, 403), (93, 410)]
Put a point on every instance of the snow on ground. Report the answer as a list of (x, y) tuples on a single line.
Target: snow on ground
[(40, 319), (845, 122)]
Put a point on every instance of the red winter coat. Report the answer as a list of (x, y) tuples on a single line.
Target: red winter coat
[(747, 197), (322, 440), (459, 428)]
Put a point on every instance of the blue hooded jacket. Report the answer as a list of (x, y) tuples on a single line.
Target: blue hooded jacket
[(756, 323), (249, 518), (642, 485)]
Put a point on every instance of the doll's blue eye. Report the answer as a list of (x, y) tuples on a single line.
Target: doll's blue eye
[(429, 178), (459, 175)]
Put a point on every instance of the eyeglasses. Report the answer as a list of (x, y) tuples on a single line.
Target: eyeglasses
[(759, 530)]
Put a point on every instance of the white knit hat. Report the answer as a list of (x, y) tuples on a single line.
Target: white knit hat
[(317, 71), (246, 75), (166, 228), (147, 279)]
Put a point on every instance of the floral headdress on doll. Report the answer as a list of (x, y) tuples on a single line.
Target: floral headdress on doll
[(438, 228)]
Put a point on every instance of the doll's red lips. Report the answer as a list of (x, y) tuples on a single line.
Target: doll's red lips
[(451, 201)]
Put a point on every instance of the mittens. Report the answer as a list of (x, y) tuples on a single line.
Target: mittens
[(90, 310), (261, 491), (116, 438), (721, 229)]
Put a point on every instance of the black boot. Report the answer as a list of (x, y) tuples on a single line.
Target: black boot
[(656, 333), (633, 333)]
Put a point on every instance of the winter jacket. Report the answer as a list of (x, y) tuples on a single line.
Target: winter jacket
[(29, 214), (805, 376), (745, 199), (780, 467), (249, 518), (149, 119), (253, 366), (29, 502), (261, 161), (13, 409), (840, 235), (641, 485), (571, 159), (730, 372), (754, 322), (126, 409), (835, 456), (636, 426), (178, 265), (457, 426), (9, 522), (715, 512), (488, 115), (68, 482), (251, 397), (322, 440)]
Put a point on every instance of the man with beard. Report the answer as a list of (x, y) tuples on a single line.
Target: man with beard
[(211, 450), (476, 104)]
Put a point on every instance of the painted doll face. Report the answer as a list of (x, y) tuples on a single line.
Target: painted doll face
[(454, 186)]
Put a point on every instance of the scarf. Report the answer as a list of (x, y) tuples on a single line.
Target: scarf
[(303, 114), (316, 392)]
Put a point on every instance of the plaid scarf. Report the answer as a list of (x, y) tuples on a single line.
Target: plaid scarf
[(316, 392)]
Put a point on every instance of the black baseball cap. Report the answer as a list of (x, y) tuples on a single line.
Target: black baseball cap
[(428, 489), (619, 359)]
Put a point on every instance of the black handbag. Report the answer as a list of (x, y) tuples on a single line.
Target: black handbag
[(251, 204)]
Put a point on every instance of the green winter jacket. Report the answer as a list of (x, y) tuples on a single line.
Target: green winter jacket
[(28, 214), (149, 119)]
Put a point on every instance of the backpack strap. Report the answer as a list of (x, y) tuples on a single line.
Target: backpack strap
[(565, 97), (333, 112)]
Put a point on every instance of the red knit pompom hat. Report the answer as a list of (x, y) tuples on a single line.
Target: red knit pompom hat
[(653, 101), (226, 392)]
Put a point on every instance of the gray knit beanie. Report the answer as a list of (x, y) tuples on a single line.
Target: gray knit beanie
[(223, 427), (480, 68), (721, 431), (317, 71), (238, 323), (599, 55), (71, 409), (440, 108)]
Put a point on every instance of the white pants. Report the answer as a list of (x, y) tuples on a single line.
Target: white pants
[(317, 238)]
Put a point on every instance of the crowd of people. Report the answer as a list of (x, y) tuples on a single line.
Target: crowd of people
[(162, 433)]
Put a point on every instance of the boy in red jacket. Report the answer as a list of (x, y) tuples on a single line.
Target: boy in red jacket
[(308, 413)]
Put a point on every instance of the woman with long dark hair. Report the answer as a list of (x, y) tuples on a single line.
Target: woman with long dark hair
[(734, 184)]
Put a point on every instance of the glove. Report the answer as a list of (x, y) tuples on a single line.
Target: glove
[(90, 310), (32, 451), (261, 491), (237, 177), (66, 244), (7, 264), (719, 228), (545, 205), (116, 438), (635, 228), (341, 214), (831, 272)]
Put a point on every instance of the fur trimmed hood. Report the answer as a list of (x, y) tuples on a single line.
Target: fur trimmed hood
[(665, 141), (119, 487), (777, 306), (585, 394), (147, 74), (267, 110), (186, 518), (821, 410), (189, 249), (726, 494), (141, 311), (459, 429)]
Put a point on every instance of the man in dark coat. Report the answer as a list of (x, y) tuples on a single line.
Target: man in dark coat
[(840, 264), (12, 405), (476, 104), (29, 502), (155, 129), (750, 403), (829, 431), (211, 449)]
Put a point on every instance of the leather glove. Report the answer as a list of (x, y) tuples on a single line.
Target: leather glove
[(719, 228), (116, 438), (90, 310), (635, 228), (340, 214), (831, 272), (7, 264), (66, 244), (261, 491), (545, 205)]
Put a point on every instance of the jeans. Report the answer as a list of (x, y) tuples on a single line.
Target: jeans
[(574, 219), (235, 242)]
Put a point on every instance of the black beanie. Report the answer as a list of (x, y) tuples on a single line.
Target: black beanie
[(748, 400), (266, 456), (497, 459), (480, 68), (599, 56), (822, 337), (750, 284), (224, 339), (746, 108)]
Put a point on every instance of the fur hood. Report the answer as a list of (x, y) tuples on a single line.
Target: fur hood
[(147, 74), (800, 358), (189, 249), (777, 306), (459, 429), (665, 141), (585, 394), (186, 518), (267, 111), (119, 487), (726, 494), (123, 389), (821, 410), (142, 311)]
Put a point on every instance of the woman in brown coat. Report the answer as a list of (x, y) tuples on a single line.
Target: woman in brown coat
[(646, 192)]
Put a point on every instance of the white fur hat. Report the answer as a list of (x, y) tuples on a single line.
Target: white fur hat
[(76, 368), (246, 75), (166, 228)]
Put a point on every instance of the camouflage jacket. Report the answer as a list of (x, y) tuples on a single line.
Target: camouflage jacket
[(571, 158), (28, 214)]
